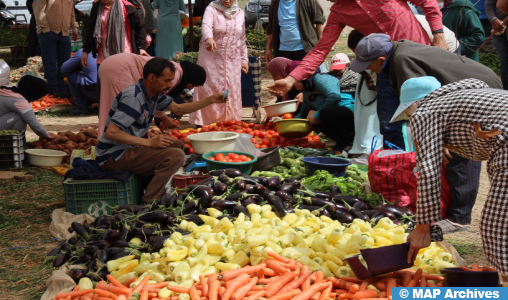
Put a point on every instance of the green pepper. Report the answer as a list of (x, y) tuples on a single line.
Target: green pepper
[(350, 186), (255, 174), (288, 162)]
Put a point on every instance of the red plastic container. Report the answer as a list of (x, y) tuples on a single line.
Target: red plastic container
[(181, 182)]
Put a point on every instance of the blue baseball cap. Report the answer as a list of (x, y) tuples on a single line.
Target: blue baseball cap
[(370, 48), (412, 90)]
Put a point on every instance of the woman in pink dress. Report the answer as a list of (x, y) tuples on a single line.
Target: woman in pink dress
[(223, 54)]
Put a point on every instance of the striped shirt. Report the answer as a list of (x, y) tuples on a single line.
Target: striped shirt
[(132, 111)]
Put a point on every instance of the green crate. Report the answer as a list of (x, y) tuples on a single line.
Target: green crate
[(97, 197)]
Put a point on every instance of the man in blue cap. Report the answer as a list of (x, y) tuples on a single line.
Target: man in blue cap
[(404, 60)]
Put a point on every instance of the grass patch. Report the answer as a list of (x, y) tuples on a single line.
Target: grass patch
[(492, 61), (66, 112), (465, 248), (23, 222)]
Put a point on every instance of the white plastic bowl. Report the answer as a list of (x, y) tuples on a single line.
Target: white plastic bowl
[(213, 141), (45, 157), (281, 108)]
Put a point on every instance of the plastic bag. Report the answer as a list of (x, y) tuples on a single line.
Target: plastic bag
[(390, 152), (59, 282), (62, 220), (244, 144), (5, 73)]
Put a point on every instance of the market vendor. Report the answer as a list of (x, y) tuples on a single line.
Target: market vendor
[(470, 119), (402, 60), (329, 102), (121, 70), (279, 68), (122, 146), (15, 109)]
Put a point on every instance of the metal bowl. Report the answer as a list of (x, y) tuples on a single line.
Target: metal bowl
[(293, 128), (267, 161)]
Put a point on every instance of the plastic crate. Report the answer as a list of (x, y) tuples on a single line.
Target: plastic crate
[(17, 140), (12, 156), (181, 181), (97, 197), (7, 164)]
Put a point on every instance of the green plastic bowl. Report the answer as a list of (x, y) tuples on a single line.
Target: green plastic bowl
[(244, 167)]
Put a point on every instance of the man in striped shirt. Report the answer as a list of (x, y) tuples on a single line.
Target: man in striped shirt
[(122, 147)]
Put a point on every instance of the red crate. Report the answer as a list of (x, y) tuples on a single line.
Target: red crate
[(181, 182)]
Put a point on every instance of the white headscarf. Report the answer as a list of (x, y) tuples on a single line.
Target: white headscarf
[(229, 12)]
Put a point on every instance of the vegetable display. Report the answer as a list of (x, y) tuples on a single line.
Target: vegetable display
[(47, 102), (9, 132)]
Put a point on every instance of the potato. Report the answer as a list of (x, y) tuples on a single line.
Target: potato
[(52, 147), (61, 133), (70, 145), (73, 137), (94, 142), (63, 139), (90, 133), (34, 144), (67, 151), (68, 133), (60, 147), (47, 144), (81, 145), (39, 147), (80, 138)]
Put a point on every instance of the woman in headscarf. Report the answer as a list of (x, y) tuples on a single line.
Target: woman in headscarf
[(169, 27), (279, 68), (116, 26), (121, 70), (15, 109), (222, 53)]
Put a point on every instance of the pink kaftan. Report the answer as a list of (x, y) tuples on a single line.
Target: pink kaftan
[(118, 72), (223, 66)]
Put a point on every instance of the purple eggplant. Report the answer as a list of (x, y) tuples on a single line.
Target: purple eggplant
[(103, 236), (171, 219), (290, 179), (351, 200), (310, 207), (253, 180), (61, 259), (325, 212), (64, 246), (72, 240), (188, 207), (195, 219), (273, 183), (378, 216), (329, 205), (342, 216), (121, 244), (248, 202), (396, 210), (229, 172), (259, 189), (54, 252), (323, 195), (90, 250), (206, 182), (223, 178), (223, 204), (136, 231), (98, 222), (389, 214), (102, 244), (205, 198), (155, 217), (119, 255), (172, 200), (286, 196), (277, 205), (106, 220), (234, 197), (249, 188), (70, 230), (164, 198), (183, 232), (101, 256), (143, 211), (335, 190), (157, 242), (77, 246), (225, 216), (360, 205), (370, 212), (193, 212), (237, 210), (397, 222), (204, 211), (114, 250), (131, 208), (264, 180), (356, 213), (113, 236), (82, 259), (77, 274), (240, 185), (220, 188), (141, 223), (256, 198), (118, 218), (80, 230)]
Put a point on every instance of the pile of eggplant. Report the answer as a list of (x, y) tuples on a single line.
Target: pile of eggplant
[(110, 237)]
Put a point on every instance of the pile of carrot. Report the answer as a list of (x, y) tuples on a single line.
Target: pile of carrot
[(476, 267), (279, 278), (46, 102)]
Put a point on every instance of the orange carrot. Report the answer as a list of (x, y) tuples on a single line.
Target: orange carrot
[(152, 290), (273, 287), (381, 286), (234, 285), (261, 274), (364, 286), (326, 293), (101, 285), (193, 293), (114, 281), (349, 285), (213, 290), (313, 276), (440, 284), (242, 291), (376, 298), (296, 283), (127, 284), (389, 285), (268, 280), (173, 298), (104, 293), (140, 286), (76, 288), (106, 298), (488, 269), (305, 295), (431, 284), (366, 294), (347, 296), (232, 274), (73, 294), (475, 267), (68, 298), (152, 296), (268, 272), (144, 295), (337, 282), (275, 266), (286, 296), (121, 297), (416, 278), (319, 277), (382, 294), (405, 278), (428, 276), (279, 257), (423, 282), (351, 279), (221, 291), (178, 289), (354, 288), (157, 285), (340, 291), (316, 296), (204, 285), (306, 284), (212, 277), (256, 295), (257, 288)]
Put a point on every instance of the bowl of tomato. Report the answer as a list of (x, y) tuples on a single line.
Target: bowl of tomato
[(281, 108), (293, 128), (213, 141), (216, 160)]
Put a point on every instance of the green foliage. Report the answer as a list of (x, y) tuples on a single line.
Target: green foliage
[(11, 37), (256, 38), (492, 61)]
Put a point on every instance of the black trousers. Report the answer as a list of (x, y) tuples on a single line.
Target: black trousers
[(338, 123), (464, 178), (32, 38), (293, 55)]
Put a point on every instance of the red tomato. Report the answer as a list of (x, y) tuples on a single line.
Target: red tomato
[(239, 131), (253, 140), (192, 131), (233, 156), (316, 138), (289, 143), (251, 125), (287, 116), (276, 135), (220, 123), (266, 142), (231, 122), (184, 139), (242, 157), (175, 133), (270, 132), (261, 134), (230, 160), (264, 146), (236, 160), (173, 137), (211, 158), (219, 156), (223, 160), (321, 145), (205, 128), (303, 145), (245, 125), (269, 124), (239, 123), (255, 133), (248, 159), (257, 146), (268, 136), (191, 150)]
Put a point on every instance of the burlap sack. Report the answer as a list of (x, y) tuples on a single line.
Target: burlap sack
[(62, 220), (58, 282)]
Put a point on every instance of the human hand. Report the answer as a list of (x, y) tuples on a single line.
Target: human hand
[(51, 136), (313, 121), (419, 238), (210, 45), (281, 86), (217, 98), (446, 156), (75, 35), (84, 59), (440, 41), (268, 55), (245, 68), (497, 25), (299, 97), (161, 142), (169, 123), (142, 52)]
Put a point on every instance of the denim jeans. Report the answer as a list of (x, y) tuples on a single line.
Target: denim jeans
[(501, 42), (56, 49), (387, 103), (79, 93)]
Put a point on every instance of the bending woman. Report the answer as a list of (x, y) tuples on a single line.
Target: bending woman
[(15, 109), (470, 119), (279, 68)]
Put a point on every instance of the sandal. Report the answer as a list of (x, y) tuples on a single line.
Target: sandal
[(449, 227)]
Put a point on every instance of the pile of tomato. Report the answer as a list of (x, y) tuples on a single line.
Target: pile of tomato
[(263, 135), (230, 157)]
